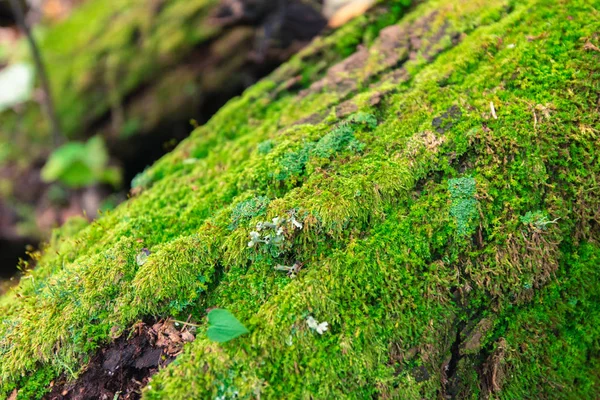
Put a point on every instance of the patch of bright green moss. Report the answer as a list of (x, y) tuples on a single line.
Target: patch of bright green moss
[(414, 310), (464, 204)]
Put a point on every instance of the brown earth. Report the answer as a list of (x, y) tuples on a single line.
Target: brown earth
[(124, 367)]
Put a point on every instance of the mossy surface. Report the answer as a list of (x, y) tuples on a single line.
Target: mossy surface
[(452, 249)]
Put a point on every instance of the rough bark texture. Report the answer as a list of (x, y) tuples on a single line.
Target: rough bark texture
[(445, 174)]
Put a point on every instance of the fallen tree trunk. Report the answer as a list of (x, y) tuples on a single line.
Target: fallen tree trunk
[(103, 58), (435, 202), (136, 72)]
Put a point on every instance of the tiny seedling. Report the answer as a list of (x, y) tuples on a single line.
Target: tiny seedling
[(78, 165)]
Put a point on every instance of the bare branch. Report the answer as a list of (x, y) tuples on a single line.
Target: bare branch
[(48, 102)]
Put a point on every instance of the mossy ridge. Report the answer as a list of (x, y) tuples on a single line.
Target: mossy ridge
[(265, 111), (272, 324), (268, 344), (327, 244)]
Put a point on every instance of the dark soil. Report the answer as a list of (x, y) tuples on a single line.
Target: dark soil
[(11, 251), (123, 368)]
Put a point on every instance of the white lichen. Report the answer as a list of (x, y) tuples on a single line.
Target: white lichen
[(319, 327)]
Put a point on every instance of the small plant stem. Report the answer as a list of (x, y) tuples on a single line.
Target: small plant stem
[(47, 101), (186, 323)]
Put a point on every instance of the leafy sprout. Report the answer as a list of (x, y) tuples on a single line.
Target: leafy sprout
[(77, 164)]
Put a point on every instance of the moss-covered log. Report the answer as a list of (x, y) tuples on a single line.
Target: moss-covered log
[(123, 67), (439, 188), (136, 72)]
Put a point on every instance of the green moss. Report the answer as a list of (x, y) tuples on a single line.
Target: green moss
[(265, 147), (37, 384), (412, 244), (464, 205), (559, 327), (338, 140), (248, 209), (293, 163)]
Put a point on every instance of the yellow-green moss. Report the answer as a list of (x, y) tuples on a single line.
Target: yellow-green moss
[(419, 303)]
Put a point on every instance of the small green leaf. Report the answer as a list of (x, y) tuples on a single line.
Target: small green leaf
[(68, 164), (223, 326), (112, 176), (81, 164), (96, 155)]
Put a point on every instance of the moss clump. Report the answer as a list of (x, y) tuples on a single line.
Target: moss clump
[(342, 137), (464, 204), (265, 147), (339, 139), (247, 210), (413, 249)]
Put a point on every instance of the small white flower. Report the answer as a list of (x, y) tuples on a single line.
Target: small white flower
[(322, 327), (316, 326), (289, 341), (312, 323), (280, 232), (296, 223), (276, 221)]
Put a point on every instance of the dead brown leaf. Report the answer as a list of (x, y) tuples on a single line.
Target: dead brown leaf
[(590, 46), (187, 336), (169, 338)]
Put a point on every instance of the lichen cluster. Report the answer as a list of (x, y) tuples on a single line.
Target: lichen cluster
[(421, 238)]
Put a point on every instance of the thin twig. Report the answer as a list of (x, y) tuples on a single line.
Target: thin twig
[(39, 64), (493, 109), (186, 323)]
